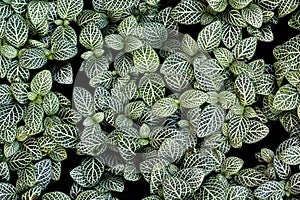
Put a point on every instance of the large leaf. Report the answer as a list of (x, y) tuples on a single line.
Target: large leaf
[(83, 101), (19, 160), (286, 98), (8, 191), (210, 121), (41, 83), (250, 177), (146, 59), (38, 11), (92, 170), (34, 116), (188, 12), (43, 173), (69, 9), (245, 49), (175, 188), (165, 107), (253, 15), (55, 196), (269, 189), (91, 37), (246, 89), (212, 189), (115, 5), (286, 7), (231, 166), (10, 114), (63, 50), (33, 59), (237, 129), (63, 74), (64, 135), (291, 155), (209, 37), (192, 98), (256, 133), (16, 31), (294, 184)]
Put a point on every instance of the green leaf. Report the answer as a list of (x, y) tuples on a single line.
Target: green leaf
[(209, 37), (294, 184), (38, 11), (63, 33), (253, 15), (238, 192), (116, 5), (92, 170), (112, 183), (269, 189), (10, 114), (189, 45), (19, 160), (58, 154), (287, 7), (33, 59), (246, 89), (245, 49), (91, 37), (257, 131), (5, 10), (55, 196), (192, 98), (69, 9), (43, 173), (165, 107), (83, 101), (19, 91), (230, 35), (291, 155), (218, 5), (8, 191), (239, 4), (64, 135), (237, 129), (231, 166), (250, 177), (210, 120), (41, 83), (171, 150), (212, 189), (16, 31), (63, 50), (4, 171), (188, 12), (286, 98), (63, 74), (155, 34), (146, 59), (175, 188), (192, 176)]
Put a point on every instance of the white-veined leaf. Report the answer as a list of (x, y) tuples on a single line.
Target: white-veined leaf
[(210, 121), (286, 98), (209, 37), (294, 184), (212, 189), (19, 160), (91, 37), (246, 89), (188, 12), (238, 193), (269, 189), (230, 35), (92, 170), (33, 58), (245, 49), (34, 116), (250, 177), (257, 131), (253, 15), (237, 129), (83, 101), (16, 31), (165, 107), (55, 196), (175, 188), (286, 7), (63, 50), (41, 83), (8, 191), (38, 11), (192, 176), (231, 166), (146, 59), (10, 114), (192, 98), (69, 9), (64, 135), (291, 155), (63, 74), (43, 173)]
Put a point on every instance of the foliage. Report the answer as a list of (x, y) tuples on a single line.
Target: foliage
[(158, 105)]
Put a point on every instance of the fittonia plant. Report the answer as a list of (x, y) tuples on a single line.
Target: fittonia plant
[(156, 104)]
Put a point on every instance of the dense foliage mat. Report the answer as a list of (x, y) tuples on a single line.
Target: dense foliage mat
[(150, 101)]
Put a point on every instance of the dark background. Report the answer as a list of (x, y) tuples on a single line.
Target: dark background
[(138, 190)]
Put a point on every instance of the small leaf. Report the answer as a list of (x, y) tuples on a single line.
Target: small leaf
[(69, 9), (245, 49), (41, 83), (286, 98), (165, 107), (209, 37)]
